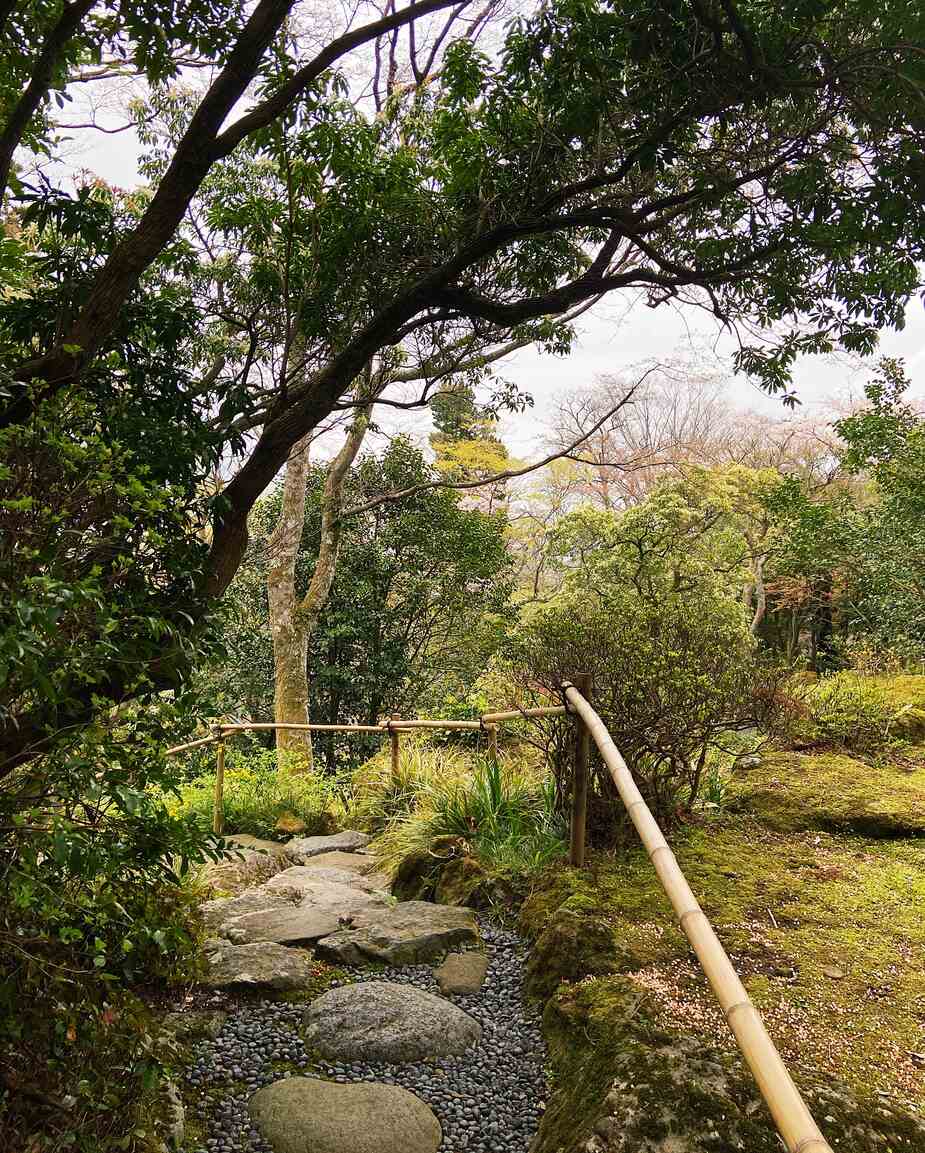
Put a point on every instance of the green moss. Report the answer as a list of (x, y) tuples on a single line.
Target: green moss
[(460, 882), (623, 1082), (573, 946), (835, 792), (788, 907)]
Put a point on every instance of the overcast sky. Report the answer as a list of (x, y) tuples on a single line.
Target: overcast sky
[(615, 338)]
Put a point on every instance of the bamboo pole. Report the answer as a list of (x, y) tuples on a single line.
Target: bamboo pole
[(189, 745), (266, 726), (519, 714), (791, 1116), (218, 807), (492, 731), (579, 821), (394, 739), (394, 724)]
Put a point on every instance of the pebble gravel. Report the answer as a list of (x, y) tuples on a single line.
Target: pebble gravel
[(489, 1100)]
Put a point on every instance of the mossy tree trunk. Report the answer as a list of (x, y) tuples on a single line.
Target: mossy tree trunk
[(293, 620)]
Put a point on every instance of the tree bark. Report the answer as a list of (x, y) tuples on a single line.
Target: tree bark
[(292, 621), (290, 643)]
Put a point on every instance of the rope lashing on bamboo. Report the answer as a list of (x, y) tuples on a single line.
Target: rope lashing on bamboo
[(790, 1113)]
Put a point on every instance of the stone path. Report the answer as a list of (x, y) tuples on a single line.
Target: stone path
[(435, 1051)]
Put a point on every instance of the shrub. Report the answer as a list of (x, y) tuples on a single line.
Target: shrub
[(673, 678), (257, 794), (92, 905), (859, 713)]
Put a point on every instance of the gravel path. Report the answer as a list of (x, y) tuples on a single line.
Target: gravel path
[(488, 1101)]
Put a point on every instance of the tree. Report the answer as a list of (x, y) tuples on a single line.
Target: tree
[(711, 159), (408, 617)]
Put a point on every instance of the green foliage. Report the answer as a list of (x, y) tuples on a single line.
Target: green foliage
[(859, 713), (650, 607), (257, 793), (409, 616), (92, 904), (503, 814)]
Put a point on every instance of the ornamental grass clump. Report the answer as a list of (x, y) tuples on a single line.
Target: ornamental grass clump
[(501, 812)]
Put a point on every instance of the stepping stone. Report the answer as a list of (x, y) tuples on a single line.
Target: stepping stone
[(301, 848), (263, 965), (249, 859), (304, 1115), (371, 883), (462, 973), (383, 1021), (294, 907), (255, 844), (357, 863), (410, 933)]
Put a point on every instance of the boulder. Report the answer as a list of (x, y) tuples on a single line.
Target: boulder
[(382, 1021), (197, 1025), (410, 933), (290, 824), (304, 1115), (460, 882), (247, 861), (414, 880), (262, 965), (462, 974), (571, 947), (301, 848)]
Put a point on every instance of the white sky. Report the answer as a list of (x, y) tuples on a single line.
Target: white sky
[(612, 339)]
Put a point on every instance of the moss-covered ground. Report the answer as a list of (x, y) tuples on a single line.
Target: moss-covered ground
[(814, 878)]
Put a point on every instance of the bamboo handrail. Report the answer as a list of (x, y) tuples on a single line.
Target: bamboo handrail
[(392, 724), (790, 1113)]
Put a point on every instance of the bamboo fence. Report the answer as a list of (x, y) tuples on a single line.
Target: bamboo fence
[(788, 1109), (791, 1115)]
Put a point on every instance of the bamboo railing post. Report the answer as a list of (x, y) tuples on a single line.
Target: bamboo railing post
[(218, 806), (579, 821), (395, 737), (492, 731)]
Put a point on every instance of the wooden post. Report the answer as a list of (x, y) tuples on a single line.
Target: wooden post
[(218, 808), (492, 731), (579, 820), (395, 737)]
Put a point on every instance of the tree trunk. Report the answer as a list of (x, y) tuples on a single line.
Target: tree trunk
[(290, 641), (293, 622)]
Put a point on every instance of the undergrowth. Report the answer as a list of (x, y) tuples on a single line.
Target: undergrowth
[(257, 795), (502, 813)]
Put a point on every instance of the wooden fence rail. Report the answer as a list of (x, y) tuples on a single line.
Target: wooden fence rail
[(393, 727), (791, 1116)]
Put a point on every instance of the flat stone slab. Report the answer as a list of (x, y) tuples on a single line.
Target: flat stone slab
[(370, 883), (255, 844), (383, 1021), (410, 933), (301, 848), (462, 974), (304, 1115), (248, 860), (294, 907), (262, 965)]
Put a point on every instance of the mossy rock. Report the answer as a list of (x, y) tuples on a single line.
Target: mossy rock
[(574, 946), (415, 878), (834, 792), (462, 881), (624, 1083)]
